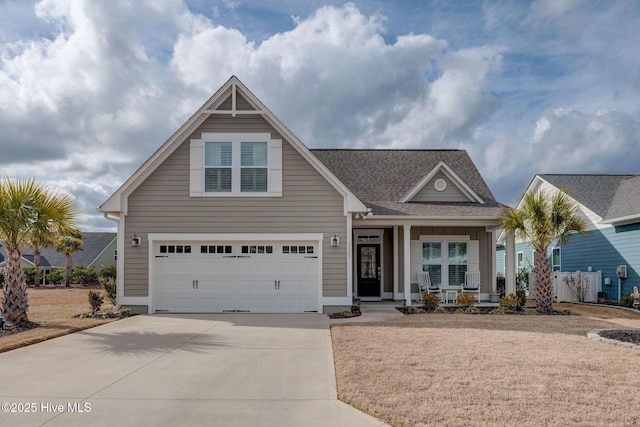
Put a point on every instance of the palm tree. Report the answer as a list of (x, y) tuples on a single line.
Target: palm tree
[(27, 208), (69, 244), (540, 220), (37, 241)]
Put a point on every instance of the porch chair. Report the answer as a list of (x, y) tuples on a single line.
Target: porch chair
[(472, 283), (425, 285)]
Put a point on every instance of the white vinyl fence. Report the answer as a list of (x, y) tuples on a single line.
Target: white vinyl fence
[(586, 284)]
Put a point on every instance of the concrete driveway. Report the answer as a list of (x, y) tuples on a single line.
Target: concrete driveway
[(188, 370)]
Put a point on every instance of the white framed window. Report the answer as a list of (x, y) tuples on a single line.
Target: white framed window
[(432, 260), (447, 261), (253, 166), (218, 162), (235, 165), (520, 263), (556, 259)]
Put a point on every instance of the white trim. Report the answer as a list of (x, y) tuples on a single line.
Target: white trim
[(455, 179), (445, 240), (369, 232), (622, 220), (406, 254), (349, 257), (117, 202), (396, 263), (235, 237)]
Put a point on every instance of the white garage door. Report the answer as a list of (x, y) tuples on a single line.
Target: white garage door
[(210, 277)]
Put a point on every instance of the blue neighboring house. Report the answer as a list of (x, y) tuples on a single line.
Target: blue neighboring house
[(611, 206)]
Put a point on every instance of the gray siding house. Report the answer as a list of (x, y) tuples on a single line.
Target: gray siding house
[(234, 213), (98, 251)]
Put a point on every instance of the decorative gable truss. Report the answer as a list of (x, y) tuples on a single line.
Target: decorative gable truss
[(441, 184), (233, 99)]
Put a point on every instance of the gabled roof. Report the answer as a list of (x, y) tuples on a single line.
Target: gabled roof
[(382, 179), (625, 207), (594, 191), (93, 246), (458, 182), (223, 102)]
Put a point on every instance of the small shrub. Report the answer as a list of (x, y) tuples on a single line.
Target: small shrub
[(108, 272), (110, 288), (498, 311), (472, 309), (82, 275), (125, 312), (531, 311), (414, 310), (440, 310), (95, 301), (465, 300), (459, 311), (430, 301), (29, 275), (55, 277), (510, 302), (627, 300), (567, 312)]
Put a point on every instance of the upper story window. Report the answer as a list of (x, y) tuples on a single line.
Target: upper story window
[(253, 166), (236, 164), (218, 162)]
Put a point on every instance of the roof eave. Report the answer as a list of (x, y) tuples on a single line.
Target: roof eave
[(623, 220)]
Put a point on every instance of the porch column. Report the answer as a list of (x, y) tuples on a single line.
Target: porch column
[(510, 264), (396, 262), (406, 260), (492, 267)]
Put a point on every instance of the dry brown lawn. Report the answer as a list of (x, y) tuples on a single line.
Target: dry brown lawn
[(480, 370), (54, 308)]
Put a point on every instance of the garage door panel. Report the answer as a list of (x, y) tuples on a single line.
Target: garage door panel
[(267, 277)]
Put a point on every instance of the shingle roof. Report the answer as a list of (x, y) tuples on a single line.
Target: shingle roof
[(381, 178), (627, 199), (596, 192), (94, 244)]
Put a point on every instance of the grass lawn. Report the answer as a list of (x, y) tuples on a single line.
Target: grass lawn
[(54, 308), (462, 370)]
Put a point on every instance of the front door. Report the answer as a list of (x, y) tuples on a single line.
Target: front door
[(369, 271)]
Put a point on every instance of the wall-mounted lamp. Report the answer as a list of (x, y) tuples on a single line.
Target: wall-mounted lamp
[(135, 241), (335, 241)]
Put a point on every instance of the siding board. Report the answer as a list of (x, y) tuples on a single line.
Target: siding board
[(309, 204)]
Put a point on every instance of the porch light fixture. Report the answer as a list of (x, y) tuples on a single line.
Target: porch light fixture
[(135, 241), (335, 241)]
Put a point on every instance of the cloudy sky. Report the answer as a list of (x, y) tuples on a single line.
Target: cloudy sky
[(89, 89)]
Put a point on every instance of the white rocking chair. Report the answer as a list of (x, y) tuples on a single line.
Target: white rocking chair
[(425, 285), (472, 283)]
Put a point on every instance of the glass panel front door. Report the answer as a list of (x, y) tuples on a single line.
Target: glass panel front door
[(369, 271)]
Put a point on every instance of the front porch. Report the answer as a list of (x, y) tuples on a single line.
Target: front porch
[(381, 271)]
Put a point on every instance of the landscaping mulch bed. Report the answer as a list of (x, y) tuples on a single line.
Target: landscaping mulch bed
[(622, 335), (12, 328), (480, 310)]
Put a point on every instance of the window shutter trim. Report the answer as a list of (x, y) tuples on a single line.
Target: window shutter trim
[(196, 172)]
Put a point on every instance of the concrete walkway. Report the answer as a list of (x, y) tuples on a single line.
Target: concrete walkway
[(188, 370)]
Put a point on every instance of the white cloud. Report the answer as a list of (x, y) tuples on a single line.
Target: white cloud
[(101, 85), (563, 141)]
